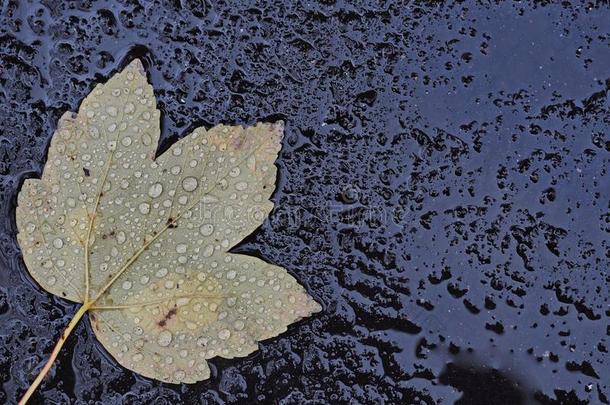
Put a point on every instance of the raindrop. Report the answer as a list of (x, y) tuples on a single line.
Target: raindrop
[(165, 338), (189, 184), (144, 208), (58, 243), (206, 229), (155, 190), (224, 334), (30, 227)]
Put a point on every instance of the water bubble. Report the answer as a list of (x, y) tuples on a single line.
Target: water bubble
[(144, 208), (126, 141), (224, 334), (164, 338), (58, 243), (206, 229), (189, 183), (155, 190)]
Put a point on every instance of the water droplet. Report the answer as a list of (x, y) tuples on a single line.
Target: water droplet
[(146, 139), (112, 111), (120, 237), (30, 227), (144, 208), (189, 184), (176, 170), (224, 334), (177, 151), (241, 186), (208, 251), (126, 141), (231, 274), (161, 273), (239, 324), (181, 248), (138, 357), (58, 243), (179, 375), (126, 285), (129, 108), (51, 280), (206, 229), (234, 172), (165, 338), (155, 190)]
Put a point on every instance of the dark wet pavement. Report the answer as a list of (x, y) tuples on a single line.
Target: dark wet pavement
[(443, 191)]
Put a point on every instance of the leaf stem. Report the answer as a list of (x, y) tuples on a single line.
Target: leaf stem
[(62, 339)]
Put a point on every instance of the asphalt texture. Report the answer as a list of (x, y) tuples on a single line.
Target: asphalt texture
[(443, 191)]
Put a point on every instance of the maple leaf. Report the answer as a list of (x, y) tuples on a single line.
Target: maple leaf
[(142, 242)]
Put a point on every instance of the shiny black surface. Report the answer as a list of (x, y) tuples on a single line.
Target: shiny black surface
[(443, 191)]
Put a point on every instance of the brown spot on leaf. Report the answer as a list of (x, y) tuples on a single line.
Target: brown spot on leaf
[(169, 315)]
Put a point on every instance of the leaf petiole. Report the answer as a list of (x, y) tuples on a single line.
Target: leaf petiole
[(62, 339)]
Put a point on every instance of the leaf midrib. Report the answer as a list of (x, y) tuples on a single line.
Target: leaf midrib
[(141, 250)]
